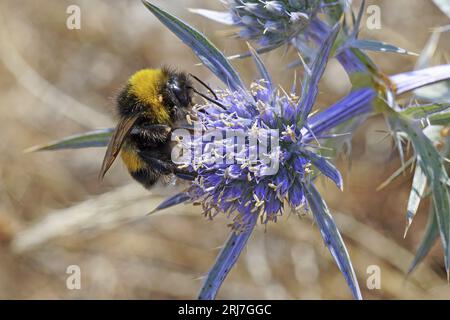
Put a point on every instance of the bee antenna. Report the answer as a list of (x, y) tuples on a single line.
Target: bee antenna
[(208, 98), (204, 84)]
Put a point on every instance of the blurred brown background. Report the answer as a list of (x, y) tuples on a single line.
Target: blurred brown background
[(56, 82)]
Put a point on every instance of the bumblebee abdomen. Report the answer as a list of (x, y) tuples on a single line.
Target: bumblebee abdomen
[(138, 168), (146, 166), (131, 159), (146, 177)]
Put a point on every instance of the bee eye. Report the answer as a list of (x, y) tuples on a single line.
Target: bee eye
[(181, 93)]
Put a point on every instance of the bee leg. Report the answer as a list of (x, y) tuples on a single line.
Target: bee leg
[(166, 166), (185, 175), (157, 160)]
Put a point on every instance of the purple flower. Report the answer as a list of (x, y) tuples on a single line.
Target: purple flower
[(269, 23), (258, 184), (259, 143)]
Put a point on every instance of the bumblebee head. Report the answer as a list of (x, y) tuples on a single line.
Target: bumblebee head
[(177, 90)]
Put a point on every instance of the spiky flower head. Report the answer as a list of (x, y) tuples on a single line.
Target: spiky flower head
[(255, 156), (303, 24), (257, 161), (272, 22)]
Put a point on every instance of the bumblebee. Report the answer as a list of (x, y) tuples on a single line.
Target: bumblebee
[(149, 106)]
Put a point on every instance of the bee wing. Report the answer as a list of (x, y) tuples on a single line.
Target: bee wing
[(115, 144)]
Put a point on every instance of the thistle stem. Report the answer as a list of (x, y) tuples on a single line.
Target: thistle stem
[(225, 261)]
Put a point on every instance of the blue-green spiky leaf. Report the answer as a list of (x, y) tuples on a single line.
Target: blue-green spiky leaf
[(424, 111), (261, 68), (430, 236), (332, 237), (172, 201), (373, 45), (310, 84), (91, 139), (326, 167), (431, 114), (440, 119), (210, 56), (431, 163)]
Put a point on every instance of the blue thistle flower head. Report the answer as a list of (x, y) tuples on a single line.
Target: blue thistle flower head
[(272, 22), (258, 160), (254, 156)]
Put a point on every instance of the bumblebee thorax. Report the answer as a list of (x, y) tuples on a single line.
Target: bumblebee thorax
[(143, 94)]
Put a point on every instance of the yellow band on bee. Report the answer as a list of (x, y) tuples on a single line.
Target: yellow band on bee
[(132, 160), (146, 86)]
